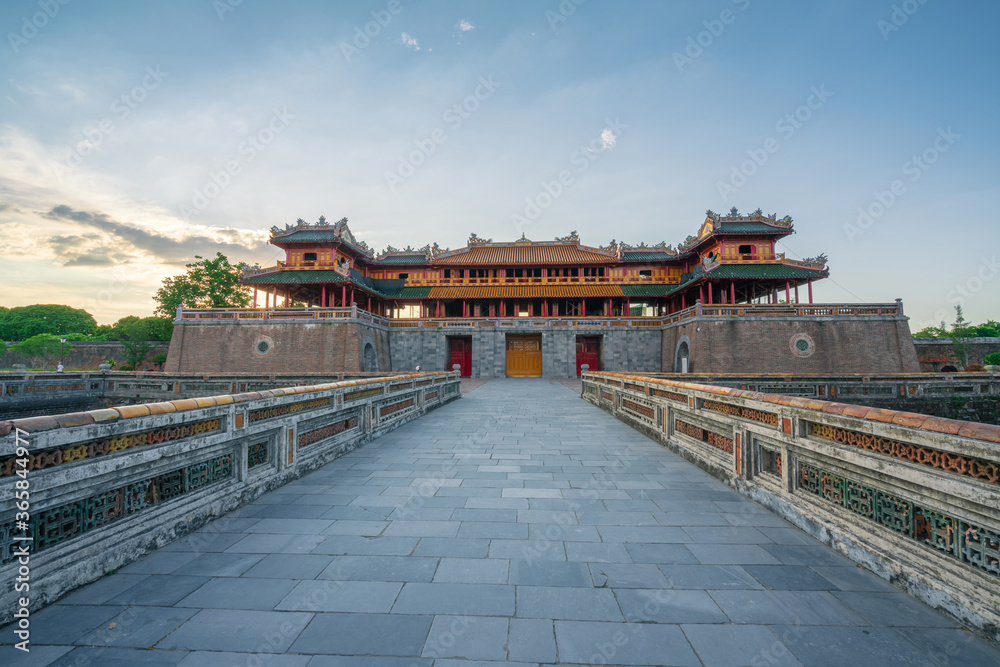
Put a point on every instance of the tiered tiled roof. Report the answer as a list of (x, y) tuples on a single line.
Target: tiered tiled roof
[(525, 252), (322, 231)]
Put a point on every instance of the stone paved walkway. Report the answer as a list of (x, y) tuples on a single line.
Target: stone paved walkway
[(519, 525)]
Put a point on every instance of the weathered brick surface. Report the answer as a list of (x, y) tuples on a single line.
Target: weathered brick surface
[(867, 345), (296, 347), (87, 355), (937, 352)]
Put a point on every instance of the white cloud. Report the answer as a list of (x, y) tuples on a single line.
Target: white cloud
[(465, 25), (608, 138), (411, 42)]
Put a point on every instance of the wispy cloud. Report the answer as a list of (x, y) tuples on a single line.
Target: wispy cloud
[(608, 138), (465, 25), (120, 242), (410, 41)]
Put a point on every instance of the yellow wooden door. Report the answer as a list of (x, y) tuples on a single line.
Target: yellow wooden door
[(524, 356)]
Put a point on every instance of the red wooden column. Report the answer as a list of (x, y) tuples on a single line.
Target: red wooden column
[(583, 307), (683, 301), (465, 307), (343, 296), (545, 304), (628, 308), (810, 291), (274, 295), (796, 294), (732, 291), (369, 303), (323, 298), (503, 309), (788, 292)]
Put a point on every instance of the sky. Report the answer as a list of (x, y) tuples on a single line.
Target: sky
[(135, 136)]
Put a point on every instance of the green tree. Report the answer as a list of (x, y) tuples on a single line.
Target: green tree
[(992, 359), (147, 328), (23, 322), (208, 283), (43, 348), (932, 332), (138, 336), (959, 333), (990, 329)]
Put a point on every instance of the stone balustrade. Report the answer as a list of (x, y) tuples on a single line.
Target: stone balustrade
[(912, 497), (851, 388), (43, 393), (88, 492)]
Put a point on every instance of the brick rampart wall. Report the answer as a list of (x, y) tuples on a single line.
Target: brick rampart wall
[(934, 353), (84, 355), (764, 345), (317, 347)]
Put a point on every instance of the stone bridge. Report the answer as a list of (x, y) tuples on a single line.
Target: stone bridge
[(680, 524)]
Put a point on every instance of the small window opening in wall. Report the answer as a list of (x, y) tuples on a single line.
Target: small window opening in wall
[(645, 273), (309, 257), (447, 274), (404, 276), (746, 249)]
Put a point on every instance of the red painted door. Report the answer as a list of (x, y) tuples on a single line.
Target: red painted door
[(461, 354), (588, 352)]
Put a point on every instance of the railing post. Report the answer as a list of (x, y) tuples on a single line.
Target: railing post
[(180, 309), (899, 307), (697, 308), (354, 311)]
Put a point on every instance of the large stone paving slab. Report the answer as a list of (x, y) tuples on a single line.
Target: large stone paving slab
[(518, 526)]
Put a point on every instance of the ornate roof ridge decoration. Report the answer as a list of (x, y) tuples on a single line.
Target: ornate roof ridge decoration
[(572, 238), (714, 223), (819, 262), (339, 229), (642, 247)]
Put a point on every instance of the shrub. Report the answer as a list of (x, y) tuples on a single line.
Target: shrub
[(126, 367), (974, 368), (992, 359)]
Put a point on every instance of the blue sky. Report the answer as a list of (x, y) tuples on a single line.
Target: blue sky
[(136, 135)]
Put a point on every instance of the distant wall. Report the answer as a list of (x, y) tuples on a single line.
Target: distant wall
[(85, 355), (247, 346), (874, 345), (934, 353)]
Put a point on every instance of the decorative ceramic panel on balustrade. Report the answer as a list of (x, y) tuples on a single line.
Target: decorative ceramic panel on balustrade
[(918, 494), (103, 482)]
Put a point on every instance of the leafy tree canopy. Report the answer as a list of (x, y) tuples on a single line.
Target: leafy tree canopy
[(989, 329), (208, 283), (140, 328), (43, 348), (23, 322)]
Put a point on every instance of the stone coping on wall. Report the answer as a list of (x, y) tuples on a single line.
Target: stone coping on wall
[(912, 497), (940, 425), (48, 423)]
